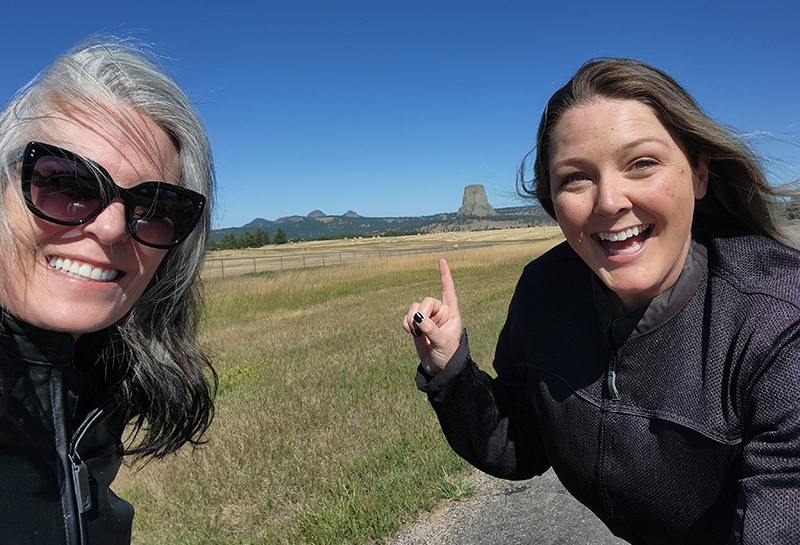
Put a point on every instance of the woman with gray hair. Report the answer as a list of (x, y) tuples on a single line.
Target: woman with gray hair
[(104, 220), (653, 359)]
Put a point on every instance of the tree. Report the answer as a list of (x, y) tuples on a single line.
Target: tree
[(248, 241), (228, 242), (280, 237), (792, 210), (262, 237)]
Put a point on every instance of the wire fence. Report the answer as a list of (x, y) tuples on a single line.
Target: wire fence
[(220, 267)]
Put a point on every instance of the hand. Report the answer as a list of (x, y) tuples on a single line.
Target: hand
[(436, 325)]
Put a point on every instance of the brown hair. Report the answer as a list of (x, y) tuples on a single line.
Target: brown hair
[(738, 191)]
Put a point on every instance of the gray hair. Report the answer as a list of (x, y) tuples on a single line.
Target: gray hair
[(168, 379)]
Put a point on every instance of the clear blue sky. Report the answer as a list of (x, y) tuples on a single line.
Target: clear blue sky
[(391, 108)]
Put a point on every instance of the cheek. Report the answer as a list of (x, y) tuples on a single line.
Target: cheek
[(570, 212), (674, 202), (149, 261)]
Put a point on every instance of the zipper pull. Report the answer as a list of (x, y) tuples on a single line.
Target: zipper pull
[(612, 385), (80, 480)]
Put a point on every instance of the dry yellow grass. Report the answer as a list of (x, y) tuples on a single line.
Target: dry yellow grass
[(341, 251), (320, 435)]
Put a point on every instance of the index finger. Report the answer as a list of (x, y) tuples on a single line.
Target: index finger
[(448, 288)]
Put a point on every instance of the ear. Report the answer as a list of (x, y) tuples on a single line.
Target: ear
[(700, 177)]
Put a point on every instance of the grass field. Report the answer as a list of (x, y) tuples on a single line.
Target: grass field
[(320, 434), (317, 253)]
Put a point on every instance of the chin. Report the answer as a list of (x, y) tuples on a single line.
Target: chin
[(75, 322)]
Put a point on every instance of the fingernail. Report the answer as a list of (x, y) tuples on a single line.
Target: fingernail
[(417, 332), (418, 318)]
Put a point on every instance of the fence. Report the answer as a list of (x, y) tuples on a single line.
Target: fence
[(230, 266)]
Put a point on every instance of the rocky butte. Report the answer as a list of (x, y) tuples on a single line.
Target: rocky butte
[(475, 203)]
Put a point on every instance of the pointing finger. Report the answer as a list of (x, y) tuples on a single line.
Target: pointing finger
[(448, 288)]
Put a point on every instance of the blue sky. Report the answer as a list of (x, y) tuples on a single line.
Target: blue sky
[(391, 108)]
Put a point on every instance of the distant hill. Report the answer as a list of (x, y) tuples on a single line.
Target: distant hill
[(317, 225)]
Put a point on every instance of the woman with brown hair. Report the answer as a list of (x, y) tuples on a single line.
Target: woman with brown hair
[(653, 359)]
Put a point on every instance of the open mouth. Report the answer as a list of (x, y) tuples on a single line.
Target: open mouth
[(624, 242), (76, 269)]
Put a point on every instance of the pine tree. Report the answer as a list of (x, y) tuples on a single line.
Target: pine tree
[(280, 237), (248, 241), (262, 237), (228, 242)]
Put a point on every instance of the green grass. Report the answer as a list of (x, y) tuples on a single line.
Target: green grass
[(320, 435)]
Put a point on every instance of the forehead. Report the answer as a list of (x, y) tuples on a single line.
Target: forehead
[(129, 145), (605, 120)]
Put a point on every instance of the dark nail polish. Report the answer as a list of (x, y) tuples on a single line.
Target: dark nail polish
[(417, 332), (418, 318)]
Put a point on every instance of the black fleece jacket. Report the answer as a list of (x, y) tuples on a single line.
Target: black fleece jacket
[(677, 424)]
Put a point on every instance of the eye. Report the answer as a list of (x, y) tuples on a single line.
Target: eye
[(643, 164), (571, 179)]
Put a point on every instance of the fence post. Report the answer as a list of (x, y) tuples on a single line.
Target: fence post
[(304, 261), (254, 265), (222, 264)]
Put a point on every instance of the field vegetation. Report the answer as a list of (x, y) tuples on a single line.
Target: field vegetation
[(320, 434), (316, 253)]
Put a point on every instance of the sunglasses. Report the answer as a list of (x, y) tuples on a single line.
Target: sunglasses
[(64, 188)]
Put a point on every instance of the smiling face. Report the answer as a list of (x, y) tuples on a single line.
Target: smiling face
[(623, 192), (84, 278)]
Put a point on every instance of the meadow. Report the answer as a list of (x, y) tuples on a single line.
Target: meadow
[(320, 434)]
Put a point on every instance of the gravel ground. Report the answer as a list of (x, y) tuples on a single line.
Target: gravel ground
[(537, 511)]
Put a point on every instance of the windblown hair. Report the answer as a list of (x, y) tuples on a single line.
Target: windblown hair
[(167, 383), (738, 191)]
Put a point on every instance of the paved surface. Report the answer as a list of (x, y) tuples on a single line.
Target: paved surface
[(537, 511)]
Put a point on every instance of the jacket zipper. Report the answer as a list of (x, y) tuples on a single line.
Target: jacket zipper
[(80, 473), (613, 395), (611, 376)]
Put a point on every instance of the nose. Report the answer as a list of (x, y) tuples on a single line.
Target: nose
[(612, 197), (108, 227)]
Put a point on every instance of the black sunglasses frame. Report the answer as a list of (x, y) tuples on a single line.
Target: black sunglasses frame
[(109, 191)]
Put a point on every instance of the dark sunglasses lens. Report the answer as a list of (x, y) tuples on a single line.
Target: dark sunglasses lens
[(161, 216), (64, 190)]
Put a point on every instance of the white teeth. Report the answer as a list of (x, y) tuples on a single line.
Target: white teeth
[(622, 235), (82, 270), (635, 247)]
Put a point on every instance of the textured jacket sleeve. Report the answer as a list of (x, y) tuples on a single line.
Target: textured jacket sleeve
[(769, 501), (482, 418)]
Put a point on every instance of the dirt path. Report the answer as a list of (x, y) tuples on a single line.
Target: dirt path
[(537, 511)]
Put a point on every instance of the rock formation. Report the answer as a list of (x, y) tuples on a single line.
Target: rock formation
[(475, 203)]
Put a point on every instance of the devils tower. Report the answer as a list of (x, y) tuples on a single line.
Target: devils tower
[(475, 203)]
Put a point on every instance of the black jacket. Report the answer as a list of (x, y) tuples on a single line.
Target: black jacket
[(60, 444), (679, 424)]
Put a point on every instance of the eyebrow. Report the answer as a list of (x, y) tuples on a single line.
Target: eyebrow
[(645, 140), (625, 147)]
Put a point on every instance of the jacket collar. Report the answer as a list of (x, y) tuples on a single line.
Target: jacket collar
[(35, 345), (660, 309)]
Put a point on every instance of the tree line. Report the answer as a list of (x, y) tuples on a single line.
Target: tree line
[(248, 240)]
